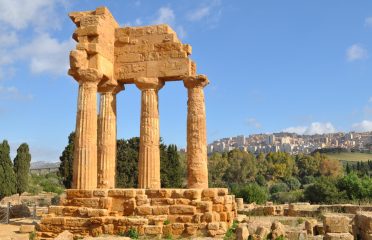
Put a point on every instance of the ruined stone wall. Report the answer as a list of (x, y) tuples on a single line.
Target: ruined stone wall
[(175, 212)]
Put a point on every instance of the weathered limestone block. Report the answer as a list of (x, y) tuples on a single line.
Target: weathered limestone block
[(153, 230), (159, 193), (242, 232), (334, 223), (364, 221), (149, 153), (196, 132), (160, 210), (338, 236), (277, 230), (65, 235), (126, 193), (26, 228), (310, 225), (192, 194), (182, 209), (78, 193), (239, 203), (178, 228)]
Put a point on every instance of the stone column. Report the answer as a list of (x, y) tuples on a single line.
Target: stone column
[(107, 136), (197, 162), (85, 149), (149, 152)]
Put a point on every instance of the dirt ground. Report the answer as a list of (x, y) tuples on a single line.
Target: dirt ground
[(11, 231)]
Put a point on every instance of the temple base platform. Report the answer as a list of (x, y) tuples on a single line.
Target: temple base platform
[(153, 213)]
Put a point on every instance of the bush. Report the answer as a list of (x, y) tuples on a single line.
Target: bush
[(293, 183), (260, 180), (279, 187), (288, 197), (251, 192), (324, 190)]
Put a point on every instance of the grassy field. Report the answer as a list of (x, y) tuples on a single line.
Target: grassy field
[(352, 157)]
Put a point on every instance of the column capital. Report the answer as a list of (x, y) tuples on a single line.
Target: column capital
[(111, 88), (149, 83), (195, 81), (86, 75)]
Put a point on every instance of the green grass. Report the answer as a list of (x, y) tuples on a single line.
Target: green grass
[(351, 157)]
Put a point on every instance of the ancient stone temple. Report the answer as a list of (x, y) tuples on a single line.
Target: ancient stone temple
[(108, 57)]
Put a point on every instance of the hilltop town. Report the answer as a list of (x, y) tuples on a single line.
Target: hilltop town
[(293, 143)]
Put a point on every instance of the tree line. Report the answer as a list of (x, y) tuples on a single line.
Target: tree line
[(276, 176), (172, 171), (14, 174)]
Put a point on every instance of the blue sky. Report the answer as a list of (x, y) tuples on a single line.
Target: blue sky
[(299, 66)]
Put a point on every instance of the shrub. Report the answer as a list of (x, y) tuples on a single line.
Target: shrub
[(293, 183), (288, 197), (324, 190), (279, 187), (251, 192)]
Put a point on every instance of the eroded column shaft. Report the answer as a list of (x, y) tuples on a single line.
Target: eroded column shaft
[(149, 153), (197, 162), (85, 151), (107, 140)]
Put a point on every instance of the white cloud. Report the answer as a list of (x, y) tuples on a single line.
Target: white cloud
[(313, 128), (209, 11), (356, 52), (252, 122), (12, 93), (19, 14), (165, 15), (46, 54), (298, 129), (368, 22), (199, 13), (363, 126), (370, 100), (8, 39), (181, 32)]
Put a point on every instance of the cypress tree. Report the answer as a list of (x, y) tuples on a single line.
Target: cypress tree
[(67, 158), (171, 169), (127, 163), (7, 176), (22, 167), (348, 170)]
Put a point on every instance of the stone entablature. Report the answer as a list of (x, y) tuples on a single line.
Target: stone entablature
[(162, 212)]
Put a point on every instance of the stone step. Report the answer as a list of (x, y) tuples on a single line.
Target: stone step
[(75, 211)]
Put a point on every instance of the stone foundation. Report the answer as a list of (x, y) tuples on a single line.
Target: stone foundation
[(163, 212)]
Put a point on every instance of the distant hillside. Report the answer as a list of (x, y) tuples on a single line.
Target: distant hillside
[(350, 156), (42, 164)]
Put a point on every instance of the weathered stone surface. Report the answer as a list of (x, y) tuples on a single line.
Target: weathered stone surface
[(106, 165), (65, 235), (196, 132), (277, 230), (338, 236), (26, 228), (242, 232), (149, 155), (182, 209), (309, 226), (334, 223), (239, 203)]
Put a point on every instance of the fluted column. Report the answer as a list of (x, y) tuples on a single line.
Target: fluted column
[(149, 152), (107, 137), (85, 149), (197, 162)]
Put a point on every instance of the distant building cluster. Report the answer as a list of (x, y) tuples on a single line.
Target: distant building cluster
[(293, 143)]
